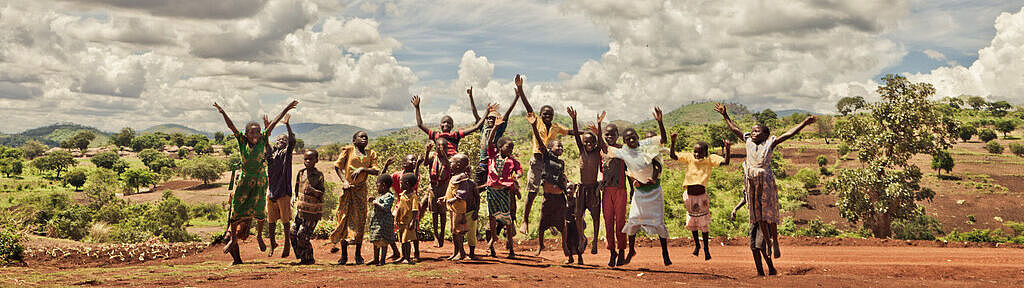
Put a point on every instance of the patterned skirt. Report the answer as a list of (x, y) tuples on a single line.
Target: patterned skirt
[(250, 198), (382, 226), (351, 215), (498, 205)]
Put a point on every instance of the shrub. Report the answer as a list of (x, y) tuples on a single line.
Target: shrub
[(76, 177), (921, 227), (101, 187), (986, 135), (807, 176), (105, 159), (155, 160), (324, 228), (111, 214), (72, 223), (977, 235), (1017, 149), (137, 177), (168, 219), (941, 160), (842, 150), (822, 160), (206, 168), (816, 228), (792, 194), (208, 211), (994, 147), (966, 132), (11, 250)]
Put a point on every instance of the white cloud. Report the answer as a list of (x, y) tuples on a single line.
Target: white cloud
[(934, 55)]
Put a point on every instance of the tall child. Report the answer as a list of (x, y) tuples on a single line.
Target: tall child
[(760, 190), (309, 187), (492, 122), (249, 199), (552, 211), (613, 201), (382, 222), (588, 197), (644, 166), (279, 196), (353, 166), (698, 205), (502, 171), (438, 179)]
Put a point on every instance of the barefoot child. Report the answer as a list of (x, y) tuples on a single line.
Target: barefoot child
[(438, 179), (382, 222), (309, 187), (613, 202), (552, 211), (760, 190), (588, 197), (279, 196), (502, 171), (353, 166), (407, 215), (575, 242), (643, 166), (249, 198), (409, 166), (698, 206), (461, 192)]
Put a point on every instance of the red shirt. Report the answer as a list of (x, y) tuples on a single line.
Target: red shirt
[(396, 184), (510, 169), (436, 171)]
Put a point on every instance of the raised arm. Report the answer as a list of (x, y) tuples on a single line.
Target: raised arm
[(597, 133), (575, 127), (732, 125), (291, 135), (532, 118), (479, 121), (672, 147), (504, 118), (419, 119), (281, 116), (661, 126), (231, 125), (792, 132), (473, 103), (521, 94), (726, 150)]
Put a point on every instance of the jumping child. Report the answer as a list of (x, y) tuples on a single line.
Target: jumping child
[(249, 199), (552, 211), (613, 202), (382, 222), (760, 189), (698, 205), (309, 187), (353, 166), (279, 170), (588, 197), (502, 171)]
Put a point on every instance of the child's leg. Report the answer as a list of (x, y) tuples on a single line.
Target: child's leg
[(696, 243), (757, 261), (395, 255), (416, 247), (259, 235), (632, 249), (775, 240), (508, 243), (664, 251), (768, 260), (492, 234), (376, 255), (595, 218), (287, 241), (540, 239), (344, 252), (405, 253), (707, 254)]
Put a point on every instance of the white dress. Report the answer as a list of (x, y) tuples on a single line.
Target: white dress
[(647, 208)]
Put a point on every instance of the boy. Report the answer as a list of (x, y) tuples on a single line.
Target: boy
[(547, 131), (644, 166), (309, 186), (407, 213), (438, 179), (492, 122), (575, 242), (409, 165), (279, 196), (461, 192), (588, 196), (502, 171), (613, 202), (760, 189), (382, 222), (698, 206), (552, 211)]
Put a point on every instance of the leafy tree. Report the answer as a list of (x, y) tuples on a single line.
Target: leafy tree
[(826, 127), (136, 177), (124, 138), (203, 147), (954, 102), (766, 117), (718, 133), (976, 102), (101, 187), (986, 134), (168, 218), (219, 137), (105, 159), (72, 223), (147, 141), (999, 108), (994, 147), (33, 149), (10, 161), (1017, 149), (1006, 126), (155, 160), (192, 140), (848, 105), (299, 144), (904, 123), (822, 160), (81, 141), (842, 150), (966, 132), (206, 168), (941, 160), (120, 166), (230, 147), (331, 151), (76, 177), (58, 161), (178, 139)]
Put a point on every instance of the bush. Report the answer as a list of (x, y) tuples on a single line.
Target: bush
[(155, 160), (941, 160), (842, 150), (816, 228), (206, 168), (986, 135), (1017, 227), (807, 176), (11, 250), (208, 211), (1017, 149), (921, 227), (822, 160), (168, 219), (72, 223), (977, 235), (324, 228), (105, 159), (76, 177), (994, 147), (966, 132), (101, 188), (138, 177)]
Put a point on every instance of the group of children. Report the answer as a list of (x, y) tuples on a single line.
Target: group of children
[(457, 190)]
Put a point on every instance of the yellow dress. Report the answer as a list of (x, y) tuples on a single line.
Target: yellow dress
[(405, 216), (351, 215)]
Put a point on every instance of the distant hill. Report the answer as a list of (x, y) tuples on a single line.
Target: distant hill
[(175, 128), (787, 112), (320, 134), (696, 113), (52, 135)]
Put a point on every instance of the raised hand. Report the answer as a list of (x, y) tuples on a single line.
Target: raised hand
[(218, 107), (470, 91), (657, 114), (572, 112), (811, 119), (491, 108), (287, 117), (416, 101), (600, 117), (519, 82), (593, 128), (532, 118), (266, 121), (292, 105), (720, 108)]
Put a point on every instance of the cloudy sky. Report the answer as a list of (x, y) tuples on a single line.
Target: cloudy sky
[(116, 63)]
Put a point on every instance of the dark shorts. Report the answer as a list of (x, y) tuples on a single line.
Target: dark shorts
[(757, 238), (588, 197), (552, 212)]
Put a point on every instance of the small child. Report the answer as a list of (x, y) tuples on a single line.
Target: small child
[(698, 205), (309, 186), (461, 191), (409, 164), (407, 211), (554, 182), (588, 195), (575, 242), (502, 171), (382, 222)]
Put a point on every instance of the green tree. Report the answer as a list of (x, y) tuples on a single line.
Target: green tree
[(999, 108), (155, 160), (203, 147), (1017, 149), (105, 159), (80, 141), (33, 149), (120, 166), (57, 161), (72, 223), (147, 141), (136, 177), (904, 123), (299, 144), (766, 117), (848, 105), (976, 102), (718, 133), (986, 135), (941, 160), (206, 168), (994, 147), (193, 139), (966, 132), (178, 139), (124, 138), (76, 177), (826, 127), (822, 160), (101, 187), (1006, 126), (168, 218), (10, 161), (219, 137)]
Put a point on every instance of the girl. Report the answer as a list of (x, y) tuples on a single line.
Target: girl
[(382, 223), (353, 167), (502, 171), (698, 206)]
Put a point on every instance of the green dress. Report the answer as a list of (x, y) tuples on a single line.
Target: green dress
[(250, 197)]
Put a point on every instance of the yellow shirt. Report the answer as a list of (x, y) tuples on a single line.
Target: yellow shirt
[(548, 133), (698, 171), (348, 161)]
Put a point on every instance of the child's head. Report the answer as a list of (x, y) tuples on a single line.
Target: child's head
[(460, 163), (506, 146), (281, 141), (611, 134), (547, 113), (589, 141), (252, 132), (360, 139), (409, 181), (409, 163), (490, 119), (383, 183), (759, 133), (447, 123), (700, 150), (630, 138), (556, 147), (310, 157)]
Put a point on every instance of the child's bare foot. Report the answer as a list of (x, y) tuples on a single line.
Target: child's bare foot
[(696, 250), (538, 251), (263, 246), (621, 260), (511, 255), (273, 246), (777, 252), (593, 249), (707, 255), (462, 256), (492, 252), (772, 272)]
